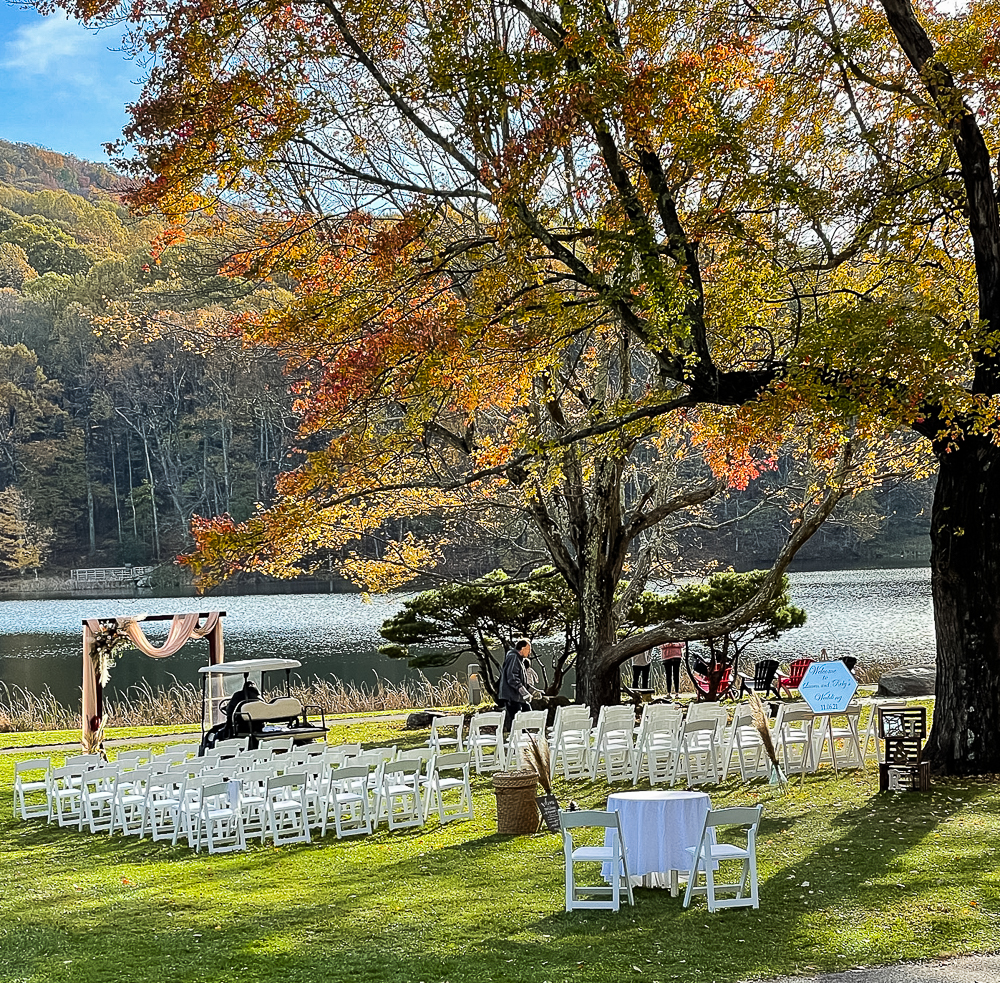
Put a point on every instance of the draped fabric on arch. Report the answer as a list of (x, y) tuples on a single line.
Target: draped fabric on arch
[(183, 627)]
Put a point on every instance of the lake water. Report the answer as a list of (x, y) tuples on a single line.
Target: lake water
[(881, 614)]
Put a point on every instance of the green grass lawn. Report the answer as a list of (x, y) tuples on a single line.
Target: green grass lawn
[(847, 877)]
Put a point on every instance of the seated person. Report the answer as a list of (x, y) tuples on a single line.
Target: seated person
[(241, 696)]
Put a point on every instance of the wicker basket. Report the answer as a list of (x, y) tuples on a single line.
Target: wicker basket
[(516, 809)]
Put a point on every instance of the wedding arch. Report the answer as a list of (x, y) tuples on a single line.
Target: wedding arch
[(103, 637)]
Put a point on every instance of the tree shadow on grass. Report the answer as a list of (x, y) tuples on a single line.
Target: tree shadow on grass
[(414, 905)]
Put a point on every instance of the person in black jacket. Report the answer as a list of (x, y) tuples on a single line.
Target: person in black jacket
[(513, 692)]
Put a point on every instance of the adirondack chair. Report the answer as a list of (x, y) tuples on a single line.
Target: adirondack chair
[(796, 672)]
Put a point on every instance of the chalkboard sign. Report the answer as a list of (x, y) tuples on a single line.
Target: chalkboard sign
[(828, 687)]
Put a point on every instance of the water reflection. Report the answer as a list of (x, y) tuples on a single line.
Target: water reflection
[(866, 613), (333, 635)]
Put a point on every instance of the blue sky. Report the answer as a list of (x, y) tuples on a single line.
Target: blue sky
[(60, 85)]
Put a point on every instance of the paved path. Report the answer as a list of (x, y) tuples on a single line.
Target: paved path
[(962, 969)]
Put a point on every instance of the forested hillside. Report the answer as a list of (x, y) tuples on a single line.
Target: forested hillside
[(114, 432), (115, 429)]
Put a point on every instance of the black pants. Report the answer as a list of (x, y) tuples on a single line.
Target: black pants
[(673, 667), (510, 708), (640, 677)]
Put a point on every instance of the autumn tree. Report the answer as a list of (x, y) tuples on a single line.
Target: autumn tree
[(770, 201), (24, 544)]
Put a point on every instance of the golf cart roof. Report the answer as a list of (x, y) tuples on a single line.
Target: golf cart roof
[(249, 665)]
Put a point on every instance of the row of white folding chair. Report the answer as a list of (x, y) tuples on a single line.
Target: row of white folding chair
[(490, 752), (407, 788)]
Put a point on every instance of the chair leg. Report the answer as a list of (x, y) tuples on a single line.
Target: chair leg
[(710, 885), (570, 890), (692, 877)]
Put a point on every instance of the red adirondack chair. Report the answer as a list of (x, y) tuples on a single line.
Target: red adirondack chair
[(795, 673)]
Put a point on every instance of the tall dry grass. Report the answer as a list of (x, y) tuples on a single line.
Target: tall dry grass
[(180, 703)]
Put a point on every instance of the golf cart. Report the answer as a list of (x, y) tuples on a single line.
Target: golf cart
[(232, 705)]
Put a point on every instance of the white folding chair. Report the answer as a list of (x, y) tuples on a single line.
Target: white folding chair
[(253, 801), (611, 854), (346, 800), (64, 794), (287, 806), (98, 787), (219, 819), (31, 786), (745, 743), (696, 757), (525, 722), (398, 797), (448, 774), (447, 734), (161, 810), (130, 799), (613, 743), (708, 853), (712, 711), (656, 742), (486, 741), (793, 732), (571, 736)]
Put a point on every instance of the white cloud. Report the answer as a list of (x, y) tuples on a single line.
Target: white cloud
[(49, 46)]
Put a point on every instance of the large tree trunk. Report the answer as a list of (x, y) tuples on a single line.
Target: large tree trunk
[(965, 579), (599, 561), (596, 685)]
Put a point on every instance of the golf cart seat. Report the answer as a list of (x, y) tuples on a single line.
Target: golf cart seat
[(267, 720)]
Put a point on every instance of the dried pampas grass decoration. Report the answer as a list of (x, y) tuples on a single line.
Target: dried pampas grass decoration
[(759, 717), (537, 757)]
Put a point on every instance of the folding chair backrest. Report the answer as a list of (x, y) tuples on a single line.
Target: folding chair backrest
[(488, 718), (707, 711), (347, 775), (794, 717), (570, 718), (175, 751), (742, 717), (447, 731), (132, 759), (85, 760), (589, 817), (658, 713), (734, 816), (616, 720), (455, 759), (529, 721), (700, 727)]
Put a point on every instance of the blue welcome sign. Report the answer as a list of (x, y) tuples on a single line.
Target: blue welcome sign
[(828, 687)]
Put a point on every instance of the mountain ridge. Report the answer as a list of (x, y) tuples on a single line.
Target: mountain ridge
[(32, 168)]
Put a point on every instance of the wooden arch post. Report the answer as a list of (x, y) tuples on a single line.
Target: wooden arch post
[(183, 627)]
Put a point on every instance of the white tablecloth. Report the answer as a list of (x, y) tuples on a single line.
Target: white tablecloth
[(657, 826)]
